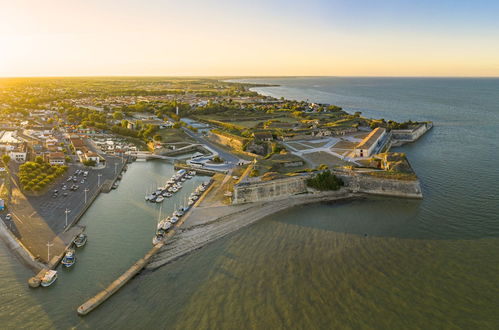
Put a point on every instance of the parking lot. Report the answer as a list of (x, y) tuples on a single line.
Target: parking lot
[(37, 220)]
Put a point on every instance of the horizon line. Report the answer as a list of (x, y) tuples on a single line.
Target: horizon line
[(239, 76)]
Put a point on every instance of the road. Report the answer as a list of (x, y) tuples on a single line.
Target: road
[(229, 158)]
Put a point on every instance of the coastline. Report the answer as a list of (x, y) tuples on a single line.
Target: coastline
[(210, 223)]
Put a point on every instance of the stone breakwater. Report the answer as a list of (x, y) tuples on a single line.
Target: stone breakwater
[(208, 224)]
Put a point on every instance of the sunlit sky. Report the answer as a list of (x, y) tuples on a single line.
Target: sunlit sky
[(251, 38)]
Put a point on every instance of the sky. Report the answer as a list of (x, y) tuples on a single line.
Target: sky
[(249, 38)]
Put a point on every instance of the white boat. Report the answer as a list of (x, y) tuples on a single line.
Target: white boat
[(183, 179), (69, 258), (174, 219), (49, 278), (174, 189), (168, 194), (159, 199), (80, 240), (166, 225), (157, 238), (192, 173)]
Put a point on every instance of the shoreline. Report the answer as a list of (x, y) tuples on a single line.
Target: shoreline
[(209, 224)]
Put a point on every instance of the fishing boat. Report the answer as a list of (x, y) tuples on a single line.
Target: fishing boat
[(173, 219), (69, 258), (80, 240), (159, 199), (168, 194), (178, 213), (49, 278)]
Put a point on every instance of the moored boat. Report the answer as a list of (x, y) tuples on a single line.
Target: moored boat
[(80, 240), (69, 258), (49, 278), (159, 199)]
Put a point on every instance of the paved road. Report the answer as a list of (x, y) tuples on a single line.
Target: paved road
[(230, 159)]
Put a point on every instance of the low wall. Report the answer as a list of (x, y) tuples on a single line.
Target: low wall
[(269, 190), (15, 245), (381, 186)]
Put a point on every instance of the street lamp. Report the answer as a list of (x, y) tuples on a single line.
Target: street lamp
[(86, 189), (115, 166), (66, 211), (98, 179), (48, 251)]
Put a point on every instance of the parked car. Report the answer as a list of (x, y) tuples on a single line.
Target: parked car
[(8, 216)]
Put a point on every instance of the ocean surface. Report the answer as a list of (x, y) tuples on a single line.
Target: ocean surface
[(380, 263)]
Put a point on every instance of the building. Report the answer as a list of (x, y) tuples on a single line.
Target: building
[(56, 158), (18, 153), (372, 143), (263, 136), (90, 155)]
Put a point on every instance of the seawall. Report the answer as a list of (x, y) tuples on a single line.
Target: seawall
[(382, 186)]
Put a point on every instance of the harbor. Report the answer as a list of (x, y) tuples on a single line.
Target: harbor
[(102, 296)]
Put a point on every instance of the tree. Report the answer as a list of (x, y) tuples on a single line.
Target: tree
[(117, 115), (89, 162), (157, 137), (39, 159), (6, 159), (217, 159)]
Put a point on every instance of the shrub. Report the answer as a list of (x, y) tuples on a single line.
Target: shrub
[(325, 181)]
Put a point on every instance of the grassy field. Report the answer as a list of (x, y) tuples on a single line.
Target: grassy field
[(322, 157), (345, 145), (173, 135)]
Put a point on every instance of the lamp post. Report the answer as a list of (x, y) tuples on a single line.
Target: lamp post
[(48, 251), (98, 179), (66, 211), (115, 166), (86, 190)]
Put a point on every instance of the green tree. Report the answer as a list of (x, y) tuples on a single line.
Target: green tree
[(118, 115), (157, 137), (6, 159)]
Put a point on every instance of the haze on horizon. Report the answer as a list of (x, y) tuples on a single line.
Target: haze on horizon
[(249, 38)]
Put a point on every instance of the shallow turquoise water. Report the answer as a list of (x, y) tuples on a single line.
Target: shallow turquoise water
[(375, 263)]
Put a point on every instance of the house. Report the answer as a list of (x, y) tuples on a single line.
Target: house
[(77, 142), (263, 136), (18, 153), (372, 143), (90, 155), (56, 158)]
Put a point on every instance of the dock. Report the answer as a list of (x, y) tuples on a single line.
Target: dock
[(102, 296)]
